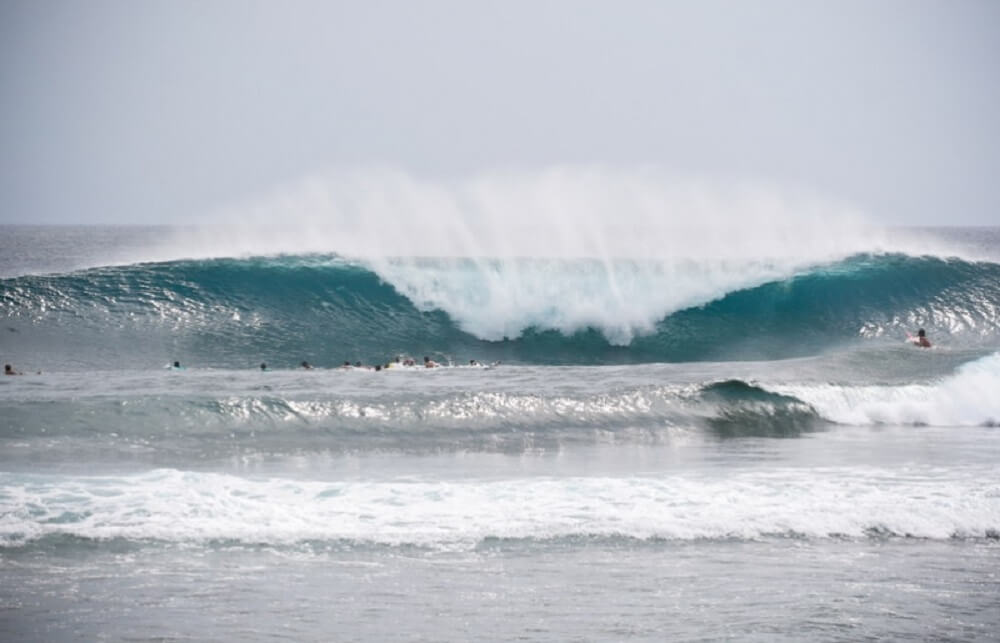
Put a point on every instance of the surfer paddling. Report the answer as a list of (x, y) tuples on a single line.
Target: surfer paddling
[(921, 339)]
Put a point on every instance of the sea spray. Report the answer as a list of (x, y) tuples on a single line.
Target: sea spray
[(568, 248), (559, 212)]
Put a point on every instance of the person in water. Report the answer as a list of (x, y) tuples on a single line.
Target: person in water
[(306, 365), (263, 366), (429, 363), (9, 370), (921, 339)]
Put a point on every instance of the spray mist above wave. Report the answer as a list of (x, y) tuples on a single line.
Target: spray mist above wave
[(655, 243), (568, 212)]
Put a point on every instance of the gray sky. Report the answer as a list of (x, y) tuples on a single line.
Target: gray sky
[(159, 111)]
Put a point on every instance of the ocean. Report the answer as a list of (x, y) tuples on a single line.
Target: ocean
[(706, 443)]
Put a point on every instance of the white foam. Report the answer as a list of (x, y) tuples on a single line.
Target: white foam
[(498, 298), (179, 506), (967, 398), (657, 242)]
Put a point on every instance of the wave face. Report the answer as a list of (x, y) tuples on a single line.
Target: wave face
[(235, 312)]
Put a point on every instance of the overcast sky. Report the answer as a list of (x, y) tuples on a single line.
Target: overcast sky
[(160, 111)]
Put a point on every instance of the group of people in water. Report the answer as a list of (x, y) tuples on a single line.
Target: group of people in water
[(398, 362), (919, 340)]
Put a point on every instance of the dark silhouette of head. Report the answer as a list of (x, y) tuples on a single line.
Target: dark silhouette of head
[(921, 333)]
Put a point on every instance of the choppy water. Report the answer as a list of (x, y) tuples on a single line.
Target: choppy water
[(679, 450)]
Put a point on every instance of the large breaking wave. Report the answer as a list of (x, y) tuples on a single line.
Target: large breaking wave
[(327, 309)]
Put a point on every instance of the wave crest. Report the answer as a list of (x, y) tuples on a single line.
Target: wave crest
[(235, 312)]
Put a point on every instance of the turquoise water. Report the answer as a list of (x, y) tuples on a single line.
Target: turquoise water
[(756, 454)]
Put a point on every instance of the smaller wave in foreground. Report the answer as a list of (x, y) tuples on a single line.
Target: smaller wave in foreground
[(398, 416), (178, 506), (967, 398)]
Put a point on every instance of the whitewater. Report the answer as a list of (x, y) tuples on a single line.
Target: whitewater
[(693, 414)]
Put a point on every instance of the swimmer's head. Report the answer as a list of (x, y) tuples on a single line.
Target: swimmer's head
[(921, 333)]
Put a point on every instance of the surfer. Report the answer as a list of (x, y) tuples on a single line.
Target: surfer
[(9, 370), (429, 363), (263, 366), (921, 339), (306, 365)]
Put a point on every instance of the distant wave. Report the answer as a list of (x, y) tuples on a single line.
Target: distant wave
[(232, 312)]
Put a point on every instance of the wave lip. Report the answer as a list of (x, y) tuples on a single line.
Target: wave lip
[(741, 409)]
